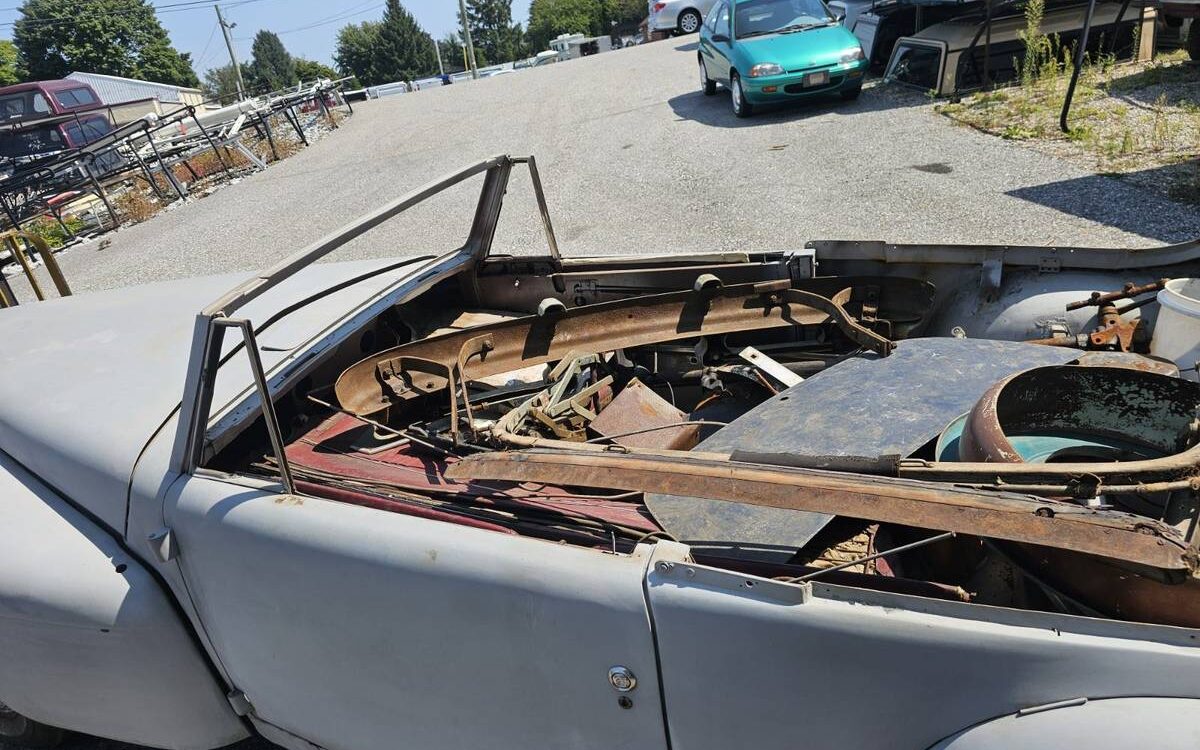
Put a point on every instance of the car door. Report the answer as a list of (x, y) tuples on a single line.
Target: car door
[(355, 628), (715, 43)]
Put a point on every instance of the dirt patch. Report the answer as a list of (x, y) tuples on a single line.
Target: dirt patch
[(1138, 121)]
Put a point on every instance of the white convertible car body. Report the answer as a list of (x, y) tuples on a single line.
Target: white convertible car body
[(180, 568)]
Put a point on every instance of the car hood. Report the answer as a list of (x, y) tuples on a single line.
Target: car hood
[(798, 50), (87, 380)]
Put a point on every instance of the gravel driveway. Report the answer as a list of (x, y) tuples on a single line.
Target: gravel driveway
[(637, 160)]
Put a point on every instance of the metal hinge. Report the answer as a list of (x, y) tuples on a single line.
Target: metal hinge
[(240, 703), (163, 544)]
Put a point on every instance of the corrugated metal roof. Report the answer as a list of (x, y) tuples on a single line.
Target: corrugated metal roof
[(114, 89)]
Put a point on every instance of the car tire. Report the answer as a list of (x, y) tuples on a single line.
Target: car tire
[(689, 22), (741, 107), (1193, 40), (20, 731), (853, 93), (707, 84)]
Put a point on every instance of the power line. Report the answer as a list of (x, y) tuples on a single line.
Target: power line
[(157, 9), (357, 10), (211, 35)]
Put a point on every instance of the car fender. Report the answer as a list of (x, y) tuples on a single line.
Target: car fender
[(89, 641), (1109, 724)]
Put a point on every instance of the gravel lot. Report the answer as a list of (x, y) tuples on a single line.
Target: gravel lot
[(636, 160)]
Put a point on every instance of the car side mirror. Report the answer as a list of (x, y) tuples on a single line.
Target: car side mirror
[(720, 37), (839, 16)]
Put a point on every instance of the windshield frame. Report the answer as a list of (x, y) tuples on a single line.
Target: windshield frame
[(785, 29), (194, 431)]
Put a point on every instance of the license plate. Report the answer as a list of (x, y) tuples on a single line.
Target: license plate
[(817, 79)]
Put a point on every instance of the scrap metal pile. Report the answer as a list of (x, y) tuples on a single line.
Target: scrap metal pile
[(154, 153), (785, 428)]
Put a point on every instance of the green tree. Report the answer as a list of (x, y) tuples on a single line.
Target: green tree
[(9, 72), (452, 54), (493, 31), (405, 50), (221, 83), (625, 12), (310, 70), (113, 37), (271, 66), (549, 18), (355, 55)]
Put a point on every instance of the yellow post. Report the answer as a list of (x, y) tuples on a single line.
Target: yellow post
[(10, 238)]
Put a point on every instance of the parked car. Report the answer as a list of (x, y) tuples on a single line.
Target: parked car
[(452, 501), (949, 58), (678, 16), (769, 51), (39, 99), (44, 117)]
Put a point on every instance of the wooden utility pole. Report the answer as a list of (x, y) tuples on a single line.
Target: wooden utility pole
[(462, 7), (237, 69)]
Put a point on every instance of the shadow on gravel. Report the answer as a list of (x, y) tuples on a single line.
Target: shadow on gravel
[(715, 110), (1125, 203)]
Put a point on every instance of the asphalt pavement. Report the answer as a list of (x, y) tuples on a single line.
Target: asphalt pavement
[(636, 159)]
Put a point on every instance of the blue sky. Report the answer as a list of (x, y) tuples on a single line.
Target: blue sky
[(307, 27)]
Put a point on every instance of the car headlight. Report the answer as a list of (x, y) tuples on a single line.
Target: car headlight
[(851, 55), (766, 69)]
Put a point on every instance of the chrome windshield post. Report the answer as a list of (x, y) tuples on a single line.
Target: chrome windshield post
[(264, 394)]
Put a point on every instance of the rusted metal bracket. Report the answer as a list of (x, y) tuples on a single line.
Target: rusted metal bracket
[(650, 319), (995, 515)]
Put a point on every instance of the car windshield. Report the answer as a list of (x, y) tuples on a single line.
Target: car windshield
[(759, 17)]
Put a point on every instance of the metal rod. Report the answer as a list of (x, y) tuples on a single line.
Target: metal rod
[(1079, 55), (264, 395), (212, 144), (656, 428), (876, 556), (987, 46), (551, 240)]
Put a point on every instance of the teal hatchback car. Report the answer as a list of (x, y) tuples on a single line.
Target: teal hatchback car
[(768, 51)]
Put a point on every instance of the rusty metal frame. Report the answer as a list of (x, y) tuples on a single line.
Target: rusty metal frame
[(264, 394), (994, 515), (534, 339), (208, 336)]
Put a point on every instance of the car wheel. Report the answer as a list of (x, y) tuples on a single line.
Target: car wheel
[(706, 83), (741, 107), (852, 93), (689, 22), (20, 731)]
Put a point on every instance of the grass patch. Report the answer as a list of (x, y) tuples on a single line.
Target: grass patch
[(1135, 119)]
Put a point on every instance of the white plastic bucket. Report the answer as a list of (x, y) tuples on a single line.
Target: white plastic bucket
[(1177, 330)]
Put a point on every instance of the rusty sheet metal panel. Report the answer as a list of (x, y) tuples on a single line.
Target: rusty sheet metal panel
[(995, 515), (636, 408), (865, 407)]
